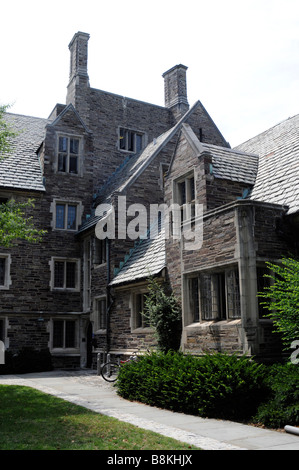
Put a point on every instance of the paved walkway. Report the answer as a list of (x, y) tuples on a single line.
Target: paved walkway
[(87, 389)]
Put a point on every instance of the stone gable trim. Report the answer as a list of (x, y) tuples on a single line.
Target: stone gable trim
[(67, 109)]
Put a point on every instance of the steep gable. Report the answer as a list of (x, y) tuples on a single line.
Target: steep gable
[(219, 175), (132, 168), (69, 118)]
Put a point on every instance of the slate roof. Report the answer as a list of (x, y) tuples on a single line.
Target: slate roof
[(131, 168), (226, 163), (233, 165), (277, 179), (146, 259), (148, 256), (21, 168), (124, 175)]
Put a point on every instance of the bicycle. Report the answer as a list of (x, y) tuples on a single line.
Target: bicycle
[(110, 370)]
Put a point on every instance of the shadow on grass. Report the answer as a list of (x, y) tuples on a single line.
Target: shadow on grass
[(32, 420)]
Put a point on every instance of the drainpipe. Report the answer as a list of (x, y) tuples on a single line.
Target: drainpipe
[(109, 300)]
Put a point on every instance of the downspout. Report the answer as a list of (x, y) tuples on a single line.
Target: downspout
[(109, 300)]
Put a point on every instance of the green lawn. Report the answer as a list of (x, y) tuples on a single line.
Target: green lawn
[(32, 420)]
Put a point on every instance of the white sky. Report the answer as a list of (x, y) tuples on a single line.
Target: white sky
[(242, 55)]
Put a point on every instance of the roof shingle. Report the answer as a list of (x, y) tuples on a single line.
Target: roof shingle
[(277, 179), (21, 169), (145, 260)]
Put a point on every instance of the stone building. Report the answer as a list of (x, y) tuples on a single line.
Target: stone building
[(92, 167)]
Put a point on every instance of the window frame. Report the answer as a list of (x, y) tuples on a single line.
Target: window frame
[(66, 203), (3, 330), (138, 322), (64, 288), (100, 252), (87, 260), (64, 347), (128, 137), (186, 200), (66, 206), (68, 154), (100, 313), (215, 300), (7, 278)]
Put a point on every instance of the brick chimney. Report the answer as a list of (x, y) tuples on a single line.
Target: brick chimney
[(79, 80), (175, 90)]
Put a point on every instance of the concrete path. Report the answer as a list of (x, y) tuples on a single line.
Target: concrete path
[(87, 389)]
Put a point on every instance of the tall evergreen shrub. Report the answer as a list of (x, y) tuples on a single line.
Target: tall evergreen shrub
[(163, 312)]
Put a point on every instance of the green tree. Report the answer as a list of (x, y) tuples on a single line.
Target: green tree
[(163, 312), (14, 223), (6, 132), (282, 299)]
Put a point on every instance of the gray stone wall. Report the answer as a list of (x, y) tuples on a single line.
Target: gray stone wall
[(236, 233), (96, 120), (123, 336)]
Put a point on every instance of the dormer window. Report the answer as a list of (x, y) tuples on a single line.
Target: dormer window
[(68, 154), (130, 140)]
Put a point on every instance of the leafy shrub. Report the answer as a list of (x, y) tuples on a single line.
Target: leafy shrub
[(163, 312), (213, 386), (282, 299), (282, 407)]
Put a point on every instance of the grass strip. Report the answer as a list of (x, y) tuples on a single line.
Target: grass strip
[(33, 420)]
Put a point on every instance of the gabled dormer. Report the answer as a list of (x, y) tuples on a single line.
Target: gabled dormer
[(202, 173), (68, 142)]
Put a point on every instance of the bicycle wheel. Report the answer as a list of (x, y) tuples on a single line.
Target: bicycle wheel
[(110, 371)]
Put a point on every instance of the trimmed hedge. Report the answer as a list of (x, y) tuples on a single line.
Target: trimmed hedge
[(213, 386)]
